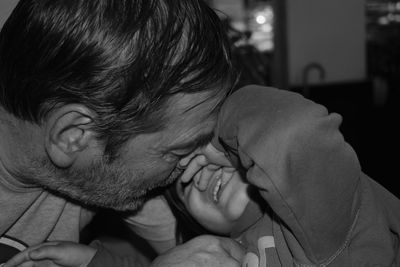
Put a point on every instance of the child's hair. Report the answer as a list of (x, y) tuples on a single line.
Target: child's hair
[(186, 226)]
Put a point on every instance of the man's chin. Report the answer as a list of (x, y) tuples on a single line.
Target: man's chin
[(133, 203), (122, 206), (138, 201), (133, 206)]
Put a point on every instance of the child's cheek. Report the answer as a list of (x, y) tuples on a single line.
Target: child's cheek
[(196, 201)]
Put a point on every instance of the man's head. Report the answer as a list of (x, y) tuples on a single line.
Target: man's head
[(114, 92)]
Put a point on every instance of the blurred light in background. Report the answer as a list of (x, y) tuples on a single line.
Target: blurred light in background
[(383, 12), (253, 18), (261, 26)]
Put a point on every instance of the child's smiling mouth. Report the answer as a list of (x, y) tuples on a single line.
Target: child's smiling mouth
[(219, 181), (217, 189)]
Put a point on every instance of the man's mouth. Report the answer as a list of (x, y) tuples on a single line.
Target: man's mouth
[(176, 172)]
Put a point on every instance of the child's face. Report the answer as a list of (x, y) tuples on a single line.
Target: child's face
[(222, 203)]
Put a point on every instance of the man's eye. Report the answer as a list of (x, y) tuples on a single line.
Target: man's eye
[(171, 158), (181, 153), (175, 156)]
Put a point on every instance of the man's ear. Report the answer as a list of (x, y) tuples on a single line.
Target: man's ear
[(68, 134)]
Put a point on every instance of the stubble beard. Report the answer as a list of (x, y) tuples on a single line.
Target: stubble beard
[(102, 184)]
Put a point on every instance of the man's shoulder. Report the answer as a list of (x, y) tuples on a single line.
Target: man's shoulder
[(35, 217)]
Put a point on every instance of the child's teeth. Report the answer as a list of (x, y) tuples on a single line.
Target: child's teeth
[(216, 189)]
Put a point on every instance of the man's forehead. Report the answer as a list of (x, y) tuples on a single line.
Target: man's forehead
[(191, 120), (196, 106), (189, 131), (195, 141)]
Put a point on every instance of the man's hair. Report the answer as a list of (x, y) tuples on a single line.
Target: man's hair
[(123, 59)]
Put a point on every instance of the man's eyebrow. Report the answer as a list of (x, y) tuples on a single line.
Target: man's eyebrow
[(199, 141)]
